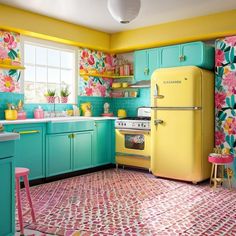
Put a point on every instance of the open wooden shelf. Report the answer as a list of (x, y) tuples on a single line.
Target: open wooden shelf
[(11, 67), (107, 76)]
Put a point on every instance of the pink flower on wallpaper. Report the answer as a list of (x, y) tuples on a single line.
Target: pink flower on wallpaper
[(10, 40), (230, 125), (219, 57), (230, 81), (219, 138), (89, 91), (84, 54), (91, 60), (102, 90), (7, 84), (3, 53), (219, 99), (231, 40), (109, 61)]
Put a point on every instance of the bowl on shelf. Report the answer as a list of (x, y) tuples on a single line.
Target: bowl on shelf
[(116, 85)]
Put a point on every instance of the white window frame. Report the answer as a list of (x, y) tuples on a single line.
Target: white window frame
[(52, 45)]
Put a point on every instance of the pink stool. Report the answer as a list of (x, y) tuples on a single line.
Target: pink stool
[(23, 172), (219, 160)]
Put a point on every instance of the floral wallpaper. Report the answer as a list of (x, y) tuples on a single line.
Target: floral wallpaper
[(95, 62), (225, 96), (9, 55)]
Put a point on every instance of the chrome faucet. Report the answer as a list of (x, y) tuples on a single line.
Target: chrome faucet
[(54, 105)]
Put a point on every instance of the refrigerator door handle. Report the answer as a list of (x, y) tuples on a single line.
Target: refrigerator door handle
[(158, 122), (156, 95), (176, 108)]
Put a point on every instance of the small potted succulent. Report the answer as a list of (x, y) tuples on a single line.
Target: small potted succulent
[(64, 94), (50, 95)]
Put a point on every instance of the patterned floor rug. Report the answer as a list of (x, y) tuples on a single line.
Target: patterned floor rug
[(133, 203)]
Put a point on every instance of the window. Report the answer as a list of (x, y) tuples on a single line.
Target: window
[(48, 66)]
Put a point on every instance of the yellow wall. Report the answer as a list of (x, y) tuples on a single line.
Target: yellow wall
[(198, 28), (48, 28)]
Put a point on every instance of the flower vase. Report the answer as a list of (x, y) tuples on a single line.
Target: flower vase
[(50, 99), (64, 99)]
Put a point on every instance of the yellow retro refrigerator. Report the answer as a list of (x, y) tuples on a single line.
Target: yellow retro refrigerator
[(182, 129)]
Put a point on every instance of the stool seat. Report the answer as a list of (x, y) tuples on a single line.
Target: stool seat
[(20, 171), (23, 172), (221, 159)]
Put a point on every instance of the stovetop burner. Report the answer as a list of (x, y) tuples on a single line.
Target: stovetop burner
[(136, 118), (140, 122)]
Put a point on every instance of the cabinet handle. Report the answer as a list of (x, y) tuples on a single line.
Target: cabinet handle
[(181, 58), (146, 71), (27, 132), (95, 124), (70, 135)]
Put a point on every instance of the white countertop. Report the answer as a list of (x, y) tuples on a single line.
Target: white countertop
[(7, 136), (56, 119)]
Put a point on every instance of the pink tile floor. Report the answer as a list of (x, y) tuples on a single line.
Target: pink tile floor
[(131, 203)]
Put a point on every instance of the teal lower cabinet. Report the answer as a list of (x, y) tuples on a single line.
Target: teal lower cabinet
[(30, 148), (82, 150), (7, 196), (58, 154), (103, 150)]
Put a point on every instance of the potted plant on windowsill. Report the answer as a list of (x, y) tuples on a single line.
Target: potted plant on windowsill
[(64, 94), (50, 95)]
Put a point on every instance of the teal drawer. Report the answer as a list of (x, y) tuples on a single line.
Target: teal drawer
[(68, 127), (7, 149)]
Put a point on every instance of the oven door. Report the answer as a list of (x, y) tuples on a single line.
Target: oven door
[(133, 142)]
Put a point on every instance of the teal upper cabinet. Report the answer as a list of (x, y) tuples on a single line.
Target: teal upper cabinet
[(104, 143), (145, 62), (188, 54), (30, 148), (82, 150)]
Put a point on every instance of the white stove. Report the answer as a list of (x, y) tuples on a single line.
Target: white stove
[(141, 122)]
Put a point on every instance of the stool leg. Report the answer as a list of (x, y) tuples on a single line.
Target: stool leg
[(19, 208), (212, 171), (26, 182), (229, 179), (215, 176)]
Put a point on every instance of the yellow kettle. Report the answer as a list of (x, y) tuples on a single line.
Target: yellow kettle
[(121, 113)]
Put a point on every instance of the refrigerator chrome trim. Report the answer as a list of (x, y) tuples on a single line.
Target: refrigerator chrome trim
[(134, 131), (176, 108), (147, 157)]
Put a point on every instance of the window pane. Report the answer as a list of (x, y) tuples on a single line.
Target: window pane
[(41, 56), (29, 92), (67, 76), (40, 90), (41, 74), (67, 60), (72, 94), (53, 75), (29, 73), (29, 52), (53, 58)]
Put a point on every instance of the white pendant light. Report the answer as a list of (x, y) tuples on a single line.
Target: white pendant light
[(124, 11)]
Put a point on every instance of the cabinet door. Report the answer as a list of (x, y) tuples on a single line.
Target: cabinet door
[(82, 150), (29, 149), (58, 157), (169, 56), (7, 202), (192, 54), (103, 143), (140, 65), (153, 61)]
